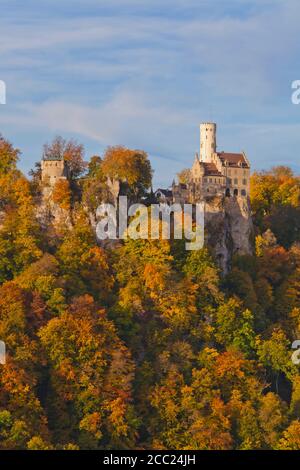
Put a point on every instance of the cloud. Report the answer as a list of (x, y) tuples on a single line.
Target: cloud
[(145, 73)]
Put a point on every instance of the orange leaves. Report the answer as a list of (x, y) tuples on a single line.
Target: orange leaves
[(155, 278), (90, 368), (61, 194), (128, 165), (230, 364)]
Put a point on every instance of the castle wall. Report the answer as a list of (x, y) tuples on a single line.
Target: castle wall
[(238, 180)]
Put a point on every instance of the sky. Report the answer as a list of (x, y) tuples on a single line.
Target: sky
[(145, 73)]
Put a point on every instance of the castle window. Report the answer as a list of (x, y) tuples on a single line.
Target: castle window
[(244, 181), (236, 192), (227, 193), (235, 181), (243, 192), (229, 180)]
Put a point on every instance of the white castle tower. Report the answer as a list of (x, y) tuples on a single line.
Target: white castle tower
[(207, 141)]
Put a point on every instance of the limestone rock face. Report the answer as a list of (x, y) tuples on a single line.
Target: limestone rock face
[(50, 213), (228, 228)]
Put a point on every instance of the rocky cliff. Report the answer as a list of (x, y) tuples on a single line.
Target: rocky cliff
[(228, 228)]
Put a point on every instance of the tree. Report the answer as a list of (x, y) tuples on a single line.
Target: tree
[(83, 265), (275, 197), (291, 437), (184, 176), (20, 234), (91, 375), (130, 166), (234, 326), (94, 187), (272, 418), (61, 194), (70, 151), (8, 156)]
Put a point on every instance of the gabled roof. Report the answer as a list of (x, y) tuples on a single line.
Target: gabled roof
[(165, 192), (233, 159), (211, 170)]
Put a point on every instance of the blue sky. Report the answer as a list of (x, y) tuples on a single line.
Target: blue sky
[(145, 73)]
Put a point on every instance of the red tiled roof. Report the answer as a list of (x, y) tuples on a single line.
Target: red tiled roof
[(211, 170), (233, 159)]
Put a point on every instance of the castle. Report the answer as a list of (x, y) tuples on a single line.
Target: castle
[(220, 179), (212, 174)]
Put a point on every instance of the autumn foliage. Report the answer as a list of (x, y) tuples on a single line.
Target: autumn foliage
[(144, 345)]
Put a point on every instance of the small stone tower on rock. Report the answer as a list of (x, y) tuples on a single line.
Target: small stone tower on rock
[(53, 169)]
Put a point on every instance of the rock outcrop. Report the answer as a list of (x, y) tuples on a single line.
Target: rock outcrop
[(228, 228)]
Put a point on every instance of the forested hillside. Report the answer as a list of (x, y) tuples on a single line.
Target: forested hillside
[(147, 345)]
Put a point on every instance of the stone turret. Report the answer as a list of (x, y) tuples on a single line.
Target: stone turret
[(208, 143)]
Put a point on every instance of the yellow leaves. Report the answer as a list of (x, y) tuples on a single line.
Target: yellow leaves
[(155, 278), (295, 318), (92, 424), (117, 415), (8, 156), (272, 417), (177, 303), (211, 353), (278, 186), (291, 437), (37, 443)]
